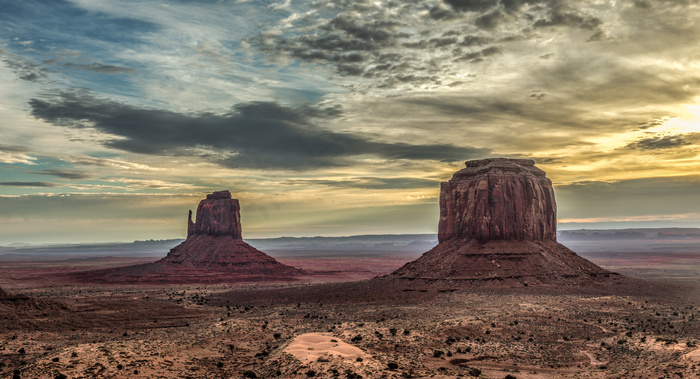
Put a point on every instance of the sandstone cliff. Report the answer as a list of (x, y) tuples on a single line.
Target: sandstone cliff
[(217, 215), (498, 199)]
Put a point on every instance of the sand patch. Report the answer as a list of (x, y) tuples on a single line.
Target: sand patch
[(309, 347), (693, 355)]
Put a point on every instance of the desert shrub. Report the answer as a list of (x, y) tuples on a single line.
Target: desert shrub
[(359, 359), (277, 335), (219, 364), (406, 332), (311, 373), (249, 374), (357, 338), (474, 372), (392, 331), (60, 376), (55, 359), (509, 376), (22, 351), (438, 353), (392, 365)]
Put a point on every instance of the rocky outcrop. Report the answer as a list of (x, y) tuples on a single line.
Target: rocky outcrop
[(498, 199), (498, 228), (3, 294), (214, 252), (214, 242), (217, 215)]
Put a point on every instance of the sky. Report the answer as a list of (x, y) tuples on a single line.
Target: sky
[(336, 117)]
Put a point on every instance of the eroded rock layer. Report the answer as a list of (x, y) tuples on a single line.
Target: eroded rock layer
[(217, 215), (498, 228)]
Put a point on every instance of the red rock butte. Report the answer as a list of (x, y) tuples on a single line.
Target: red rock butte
[(498, 228), (214, 252)]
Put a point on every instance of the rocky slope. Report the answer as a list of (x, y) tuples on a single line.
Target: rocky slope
[(498, 228)]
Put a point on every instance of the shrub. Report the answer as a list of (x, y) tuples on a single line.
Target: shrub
[(392, 366)]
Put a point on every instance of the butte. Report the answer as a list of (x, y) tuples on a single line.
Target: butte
[(214, 252), (497, 228)]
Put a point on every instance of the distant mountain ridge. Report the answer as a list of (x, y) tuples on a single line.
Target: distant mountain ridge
[(629, 234), (370, 242)]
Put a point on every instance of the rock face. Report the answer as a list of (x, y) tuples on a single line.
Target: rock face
[(217, 215), (214, 252), (498, 199), (498, 228)]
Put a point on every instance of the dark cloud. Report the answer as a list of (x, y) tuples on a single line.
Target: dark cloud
[(471, 5), (651, 123), (13, 148), (477, 56), (572, 18), (475, 40), (102, 68), (28, 184), (65, 174), (23, 68), (661, 142), (260, 134), (371, 183), (491, 19)]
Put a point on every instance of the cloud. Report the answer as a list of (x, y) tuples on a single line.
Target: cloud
[(13, 148), (471, 5), (369, 183), (28, 184), (102, 68), (258, 135), (65, 174), (663, 142), (23, 68), (399, 45)]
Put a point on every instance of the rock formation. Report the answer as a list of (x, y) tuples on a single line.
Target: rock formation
[(3, 294), (498, 199), (498, 227), (214, 252), (217, 215)]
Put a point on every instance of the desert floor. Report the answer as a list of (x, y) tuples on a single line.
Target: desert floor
[(369, 329)]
